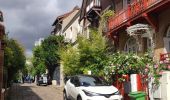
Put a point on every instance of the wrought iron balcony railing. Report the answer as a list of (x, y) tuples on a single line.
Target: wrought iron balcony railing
[(93, 4), (134, 9)]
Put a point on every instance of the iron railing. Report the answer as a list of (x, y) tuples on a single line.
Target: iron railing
[(94, 3), (134, 9)]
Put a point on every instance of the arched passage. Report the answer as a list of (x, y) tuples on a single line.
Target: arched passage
[(131, 45)]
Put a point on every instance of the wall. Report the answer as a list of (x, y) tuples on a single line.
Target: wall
[(123, 37), (164, 21), (71, 31)]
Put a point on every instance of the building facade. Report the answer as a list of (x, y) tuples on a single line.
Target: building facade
[(91, 11), (68, 26), (129, 14), (134, 16), (137, 26), (2, 33)]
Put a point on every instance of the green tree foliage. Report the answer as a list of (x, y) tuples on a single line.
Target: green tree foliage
[(90, 54), (46, 56), (14, 58), (70, 60), (51, 47), (38, 61)]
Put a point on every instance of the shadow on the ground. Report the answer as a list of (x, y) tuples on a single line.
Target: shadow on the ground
[(19, 92)]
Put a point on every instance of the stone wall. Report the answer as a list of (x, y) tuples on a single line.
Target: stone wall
[(164, 22)]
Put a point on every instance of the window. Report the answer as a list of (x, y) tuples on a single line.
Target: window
[(167, 40), (148, 43), (131, 45), (72, 80), (91, 81), (168, 32)]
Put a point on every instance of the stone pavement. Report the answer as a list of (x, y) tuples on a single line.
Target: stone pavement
[(28, 91)]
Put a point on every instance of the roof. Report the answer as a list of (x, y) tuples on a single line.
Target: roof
[(62, 17), (72, 20)]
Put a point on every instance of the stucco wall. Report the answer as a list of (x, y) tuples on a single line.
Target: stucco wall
[(72, 30), (164, 22)]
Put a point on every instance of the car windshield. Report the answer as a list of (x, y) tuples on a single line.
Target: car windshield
[(91, 81)]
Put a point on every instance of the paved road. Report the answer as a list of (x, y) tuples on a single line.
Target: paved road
[(32, 92)]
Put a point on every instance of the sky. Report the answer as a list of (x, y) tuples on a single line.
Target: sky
[(29, 20)]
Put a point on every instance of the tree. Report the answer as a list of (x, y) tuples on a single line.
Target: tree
[(93, 52), (46, 56), (51, 47), (70, 60), (38, 61), (14, 59), (90, 54)]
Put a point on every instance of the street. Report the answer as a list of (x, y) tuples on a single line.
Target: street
[(28, 91)]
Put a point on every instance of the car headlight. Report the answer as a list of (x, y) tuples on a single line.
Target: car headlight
[(116, 93), (88, 93)]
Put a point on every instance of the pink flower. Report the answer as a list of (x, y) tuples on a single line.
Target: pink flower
[(168, 67), (146, 69), (155, 66), (160, 73), (147, 65)]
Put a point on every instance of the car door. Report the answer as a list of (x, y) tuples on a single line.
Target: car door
[(73, 87)]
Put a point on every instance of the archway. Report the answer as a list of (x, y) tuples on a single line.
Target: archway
[(131, 45)]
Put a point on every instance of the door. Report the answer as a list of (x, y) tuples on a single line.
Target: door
[(74, 88)]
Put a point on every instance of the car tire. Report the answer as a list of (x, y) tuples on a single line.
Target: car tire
[(65, 96), (79, 98)]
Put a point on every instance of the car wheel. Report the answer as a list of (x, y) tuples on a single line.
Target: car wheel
[(65, 95), (79, 98)]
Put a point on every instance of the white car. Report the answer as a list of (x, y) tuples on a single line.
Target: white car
[(86, 87)]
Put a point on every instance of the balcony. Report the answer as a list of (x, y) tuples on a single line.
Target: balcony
[(135, 9), (93, 4)]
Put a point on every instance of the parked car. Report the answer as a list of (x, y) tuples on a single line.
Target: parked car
[(42, 80), (87, 87)]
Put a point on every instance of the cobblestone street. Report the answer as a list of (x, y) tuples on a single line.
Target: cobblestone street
[(32, 92)]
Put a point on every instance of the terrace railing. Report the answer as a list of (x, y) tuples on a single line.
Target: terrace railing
[(93, 4), (134, 9)]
